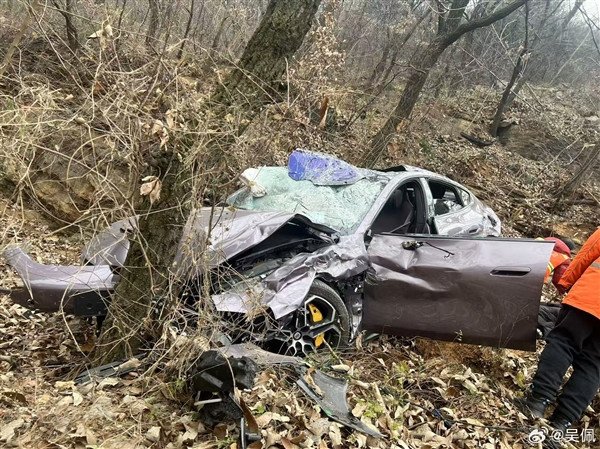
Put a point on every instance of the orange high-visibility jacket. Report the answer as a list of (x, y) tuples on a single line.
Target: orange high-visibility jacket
[(556, 260), (583, 277)]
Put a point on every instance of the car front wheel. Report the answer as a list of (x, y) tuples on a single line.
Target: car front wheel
[(321, 321)]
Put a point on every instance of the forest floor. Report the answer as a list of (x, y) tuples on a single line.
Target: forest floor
[(418, 393)]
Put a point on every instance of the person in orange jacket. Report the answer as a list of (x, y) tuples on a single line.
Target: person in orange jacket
[(559, 260), (557, 266), (574, 341)]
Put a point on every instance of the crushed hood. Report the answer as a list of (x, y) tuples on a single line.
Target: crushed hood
[(210, 237)]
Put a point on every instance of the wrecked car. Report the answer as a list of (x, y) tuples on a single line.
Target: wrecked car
[(305, 256)]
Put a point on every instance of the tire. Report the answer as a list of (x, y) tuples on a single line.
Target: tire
[(298, 336)]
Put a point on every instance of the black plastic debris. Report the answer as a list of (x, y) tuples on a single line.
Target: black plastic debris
[(213, 372)]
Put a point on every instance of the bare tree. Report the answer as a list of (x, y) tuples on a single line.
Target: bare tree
[(525, 73), (394, 44), (220, 30), (594, 156), (188, 27), (517, 72), (400, 45), (579, 177), (154, 8), (449, 29), (67, 10), (149, 271)]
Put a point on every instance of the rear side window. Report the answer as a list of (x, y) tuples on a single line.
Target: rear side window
[(465, 197), (446, 197)]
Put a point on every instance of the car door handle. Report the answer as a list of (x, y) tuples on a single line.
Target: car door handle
[(510, 271)]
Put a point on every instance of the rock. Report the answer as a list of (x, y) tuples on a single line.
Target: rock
[(63, 174)]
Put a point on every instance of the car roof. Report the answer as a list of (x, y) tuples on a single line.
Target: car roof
[(402, 171)]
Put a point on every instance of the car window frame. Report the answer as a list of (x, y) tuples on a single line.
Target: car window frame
[(456, 195), (396, 182)]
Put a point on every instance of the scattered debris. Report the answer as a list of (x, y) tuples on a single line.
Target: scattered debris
[(330, 394)]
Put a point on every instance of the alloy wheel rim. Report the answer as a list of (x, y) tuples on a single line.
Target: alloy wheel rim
[(302, 335)]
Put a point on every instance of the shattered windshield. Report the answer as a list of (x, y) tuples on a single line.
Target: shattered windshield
[(339, 207)]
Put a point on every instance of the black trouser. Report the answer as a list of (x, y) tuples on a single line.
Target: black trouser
[(575, 341)]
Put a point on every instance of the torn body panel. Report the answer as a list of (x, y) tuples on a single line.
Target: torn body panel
[(329, 393), (225, 231), (51, 288)]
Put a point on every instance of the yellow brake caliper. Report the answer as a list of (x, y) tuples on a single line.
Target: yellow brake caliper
[(316, 317)]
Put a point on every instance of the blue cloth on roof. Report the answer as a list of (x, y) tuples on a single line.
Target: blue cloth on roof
[(321, 169)]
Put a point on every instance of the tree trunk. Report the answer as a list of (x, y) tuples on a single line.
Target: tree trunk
[(443, 80), (267, 53), (121, 14), (380, 66), (527, 74), (217, 39), (153, 25), (67, 11), (410, 95), (517, 72), (188, 27), (149, 272)]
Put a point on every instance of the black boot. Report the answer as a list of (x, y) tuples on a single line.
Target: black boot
[(558, 428), (532, 406)]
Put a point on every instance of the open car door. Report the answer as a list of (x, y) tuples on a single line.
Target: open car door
[(474, 290)]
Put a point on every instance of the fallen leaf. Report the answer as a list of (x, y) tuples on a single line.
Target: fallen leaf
[(151, 187), (359, 409), (77, 398), (62, 386), (287, 444), (335, 435), (95, 35), (8, 431), (108, 382), (132, 363), (267, 417), (153, 434), (341, 367), (14, 395), (189, 436), (67, 400)]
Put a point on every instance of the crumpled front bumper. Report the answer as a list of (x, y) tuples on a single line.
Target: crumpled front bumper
[(74, 289)]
